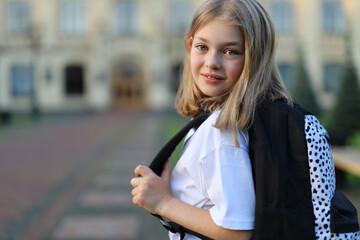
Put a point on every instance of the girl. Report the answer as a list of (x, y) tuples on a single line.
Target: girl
[(229, 70), (223, 53)]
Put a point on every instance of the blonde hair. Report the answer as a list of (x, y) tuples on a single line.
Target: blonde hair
[(260, 77)]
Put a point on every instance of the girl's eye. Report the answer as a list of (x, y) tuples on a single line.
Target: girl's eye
[(231, 52), (201, 47)]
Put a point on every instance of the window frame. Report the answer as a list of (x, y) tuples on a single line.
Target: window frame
[(333, 17), (72, 18), (288, 74), (126, 21), (180, 17), (283, 16), (21, 80), (19, 26), (335, 74)]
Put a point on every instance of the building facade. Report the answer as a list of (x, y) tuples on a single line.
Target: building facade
[(322, 30), (71, 55)]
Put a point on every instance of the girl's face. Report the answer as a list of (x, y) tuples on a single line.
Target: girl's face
[(217, 57)]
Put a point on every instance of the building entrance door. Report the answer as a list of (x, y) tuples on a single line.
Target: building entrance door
[(74, 80), (128, 86)]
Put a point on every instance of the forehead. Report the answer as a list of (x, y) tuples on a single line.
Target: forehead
[(218, 31)]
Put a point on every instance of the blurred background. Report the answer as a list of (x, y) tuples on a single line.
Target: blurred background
[(87, 90)]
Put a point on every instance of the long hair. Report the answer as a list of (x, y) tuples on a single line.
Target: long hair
[(260, 77)]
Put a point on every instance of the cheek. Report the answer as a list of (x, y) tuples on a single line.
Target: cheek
[(195, 62), (236, 69)]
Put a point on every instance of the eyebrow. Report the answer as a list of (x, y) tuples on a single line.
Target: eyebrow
[(226, 43)]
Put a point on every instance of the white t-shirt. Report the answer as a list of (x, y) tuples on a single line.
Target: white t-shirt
[(212, 173)]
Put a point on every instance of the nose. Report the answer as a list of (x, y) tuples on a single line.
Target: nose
[(213, 60)]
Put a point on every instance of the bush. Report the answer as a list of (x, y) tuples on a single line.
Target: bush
[(346, 113), (355, 140), (301, 90)]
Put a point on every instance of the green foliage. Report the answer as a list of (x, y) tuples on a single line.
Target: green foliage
[(346, 113), (354, 140), (325, 119), (352, 182), (301, 90)]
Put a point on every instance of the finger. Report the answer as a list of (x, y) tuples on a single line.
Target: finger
[(134, 192), (143, 171), (136, 200), (135, 182), (166, 171)]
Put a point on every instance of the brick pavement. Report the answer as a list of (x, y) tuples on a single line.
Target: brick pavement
[(71, 180)]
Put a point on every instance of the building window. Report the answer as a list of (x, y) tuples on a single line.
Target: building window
[(22, 80), (333, 17), (286, 72), (179, 17), (126, 17), (283, 16), (332, 76), (72, 17), (74, 80), (19, 17)]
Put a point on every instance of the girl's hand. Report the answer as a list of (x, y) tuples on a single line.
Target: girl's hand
[(151, 191)]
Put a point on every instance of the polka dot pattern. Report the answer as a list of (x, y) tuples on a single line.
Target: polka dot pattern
[(322, 177)]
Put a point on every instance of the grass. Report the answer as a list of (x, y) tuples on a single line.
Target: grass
[(18, 121), (170, 130)]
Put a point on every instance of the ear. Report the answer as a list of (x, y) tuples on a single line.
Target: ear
[(190, 43)]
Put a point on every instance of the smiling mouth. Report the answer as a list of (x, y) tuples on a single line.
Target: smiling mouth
[(212, 76)]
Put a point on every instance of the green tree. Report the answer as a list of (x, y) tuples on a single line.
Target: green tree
[(301, 90), (346, 113)]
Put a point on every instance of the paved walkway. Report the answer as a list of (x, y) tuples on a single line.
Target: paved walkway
[(70, 180)]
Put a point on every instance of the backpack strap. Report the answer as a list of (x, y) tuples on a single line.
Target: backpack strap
[(157, 166), (176, 228)]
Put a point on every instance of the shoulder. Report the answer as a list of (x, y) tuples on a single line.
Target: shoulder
[(278, 122), (213, 137), (210, 134), (279, 113), (281, 107), (314, 128)]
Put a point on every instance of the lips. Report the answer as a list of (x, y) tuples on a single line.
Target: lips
[(212, 78)]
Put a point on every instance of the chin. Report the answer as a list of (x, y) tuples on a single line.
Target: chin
[(211, 93)]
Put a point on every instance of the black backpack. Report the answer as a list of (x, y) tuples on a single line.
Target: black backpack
[(288, 205)]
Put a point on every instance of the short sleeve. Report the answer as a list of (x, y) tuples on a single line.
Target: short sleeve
[(228, 182)]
